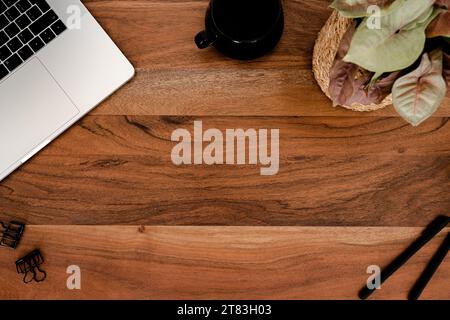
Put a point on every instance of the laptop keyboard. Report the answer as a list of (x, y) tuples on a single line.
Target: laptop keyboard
[(26, 26)]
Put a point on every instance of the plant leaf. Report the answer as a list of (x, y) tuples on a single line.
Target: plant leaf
[(398, 43), (424, 18), (418, 94), (342, 72), (383, 87), (357, 8), (443, 3), (446, 70), (348, 83), (440, 27)]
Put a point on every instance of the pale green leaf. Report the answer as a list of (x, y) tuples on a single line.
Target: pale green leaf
[(425, 18), (348, 83), (418, 94), (398, 43)]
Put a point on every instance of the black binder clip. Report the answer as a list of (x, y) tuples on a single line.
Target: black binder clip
[(11, 234), (29, 266)]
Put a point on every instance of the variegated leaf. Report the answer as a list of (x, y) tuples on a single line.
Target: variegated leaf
[(418, 94), (398, 43)]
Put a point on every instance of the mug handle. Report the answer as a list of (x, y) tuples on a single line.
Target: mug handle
[(204, 39)]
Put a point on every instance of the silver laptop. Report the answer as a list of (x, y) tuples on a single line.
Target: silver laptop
[(56, 64)]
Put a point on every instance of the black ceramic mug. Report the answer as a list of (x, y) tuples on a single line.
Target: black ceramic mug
[(242, 29)]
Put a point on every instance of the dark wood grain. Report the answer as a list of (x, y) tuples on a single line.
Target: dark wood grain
[(333, 171), (219, 263)]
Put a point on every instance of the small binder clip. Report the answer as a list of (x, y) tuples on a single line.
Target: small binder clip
[(11, 234), (29, 266)]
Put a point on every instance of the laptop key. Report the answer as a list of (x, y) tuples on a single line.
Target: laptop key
[(14, 44), (3, 21), (25, 36), (4, 53), (23, 5), (12, 30), (34, 13), (58, 27), (3, 71), (36, 44), (12, 13), (23, 21), (42, 4), (13, 62), (25, 52), (43, 22), (47, 35), (3, 38), (26, 26), (9, 3)]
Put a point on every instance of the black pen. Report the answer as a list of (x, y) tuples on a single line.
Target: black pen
[(429, 233), (430, 269)]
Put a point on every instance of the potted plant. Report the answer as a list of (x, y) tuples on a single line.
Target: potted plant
[(374, 53)]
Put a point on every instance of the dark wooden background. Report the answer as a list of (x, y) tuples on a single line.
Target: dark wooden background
[(353, 189)]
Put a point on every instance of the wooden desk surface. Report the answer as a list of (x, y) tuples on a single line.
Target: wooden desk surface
[(353, 189)]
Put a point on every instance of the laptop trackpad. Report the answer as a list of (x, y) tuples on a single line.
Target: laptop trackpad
[(32, 107)]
